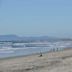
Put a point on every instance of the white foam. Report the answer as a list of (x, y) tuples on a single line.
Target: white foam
[(6, 52)]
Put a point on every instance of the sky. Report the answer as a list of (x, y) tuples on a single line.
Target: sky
[(36, 17)]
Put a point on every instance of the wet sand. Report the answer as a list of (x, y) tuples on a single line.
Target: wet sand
[(49, 62)]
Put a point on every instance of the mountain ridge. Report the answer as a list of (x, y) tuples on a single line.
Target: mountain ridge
[(30, 38)]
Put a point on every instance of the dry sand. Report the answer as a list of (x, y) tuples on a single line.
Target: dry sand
[(49, 62)]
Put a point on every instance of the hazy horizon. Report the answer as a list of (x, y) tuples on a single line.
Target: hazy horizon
[(36, 18)]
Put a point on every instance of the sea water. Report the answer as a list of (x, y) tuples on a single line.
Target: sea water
[(20, 51), (10, 52)]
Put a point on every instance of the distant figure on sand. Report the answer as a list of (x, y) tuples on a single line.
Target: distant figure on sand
[(40, 54)]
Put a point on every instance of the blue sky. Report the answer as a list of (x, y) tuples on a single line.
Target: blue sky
[(36, 17)]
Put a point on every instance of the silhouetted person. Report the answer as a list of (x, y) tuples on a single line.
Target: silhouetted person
[(40, 54)]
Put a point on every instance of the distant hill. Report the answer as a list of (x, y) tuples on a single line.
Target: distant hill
[(8, 37), (31, 39)]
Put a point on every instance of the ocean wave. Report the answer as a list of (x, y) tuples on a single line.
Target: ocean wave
[(6, 52)]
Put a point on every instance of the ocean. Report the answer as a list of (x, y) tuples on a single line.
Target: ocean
[(20, 51)]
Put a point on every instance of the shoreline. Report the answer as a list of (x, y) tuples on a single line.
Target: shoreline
[(34, 54), (49, 62), (13, 57)]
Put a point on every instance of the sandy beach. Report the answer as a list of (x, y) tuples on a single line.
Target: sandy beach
[(49, 62)]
